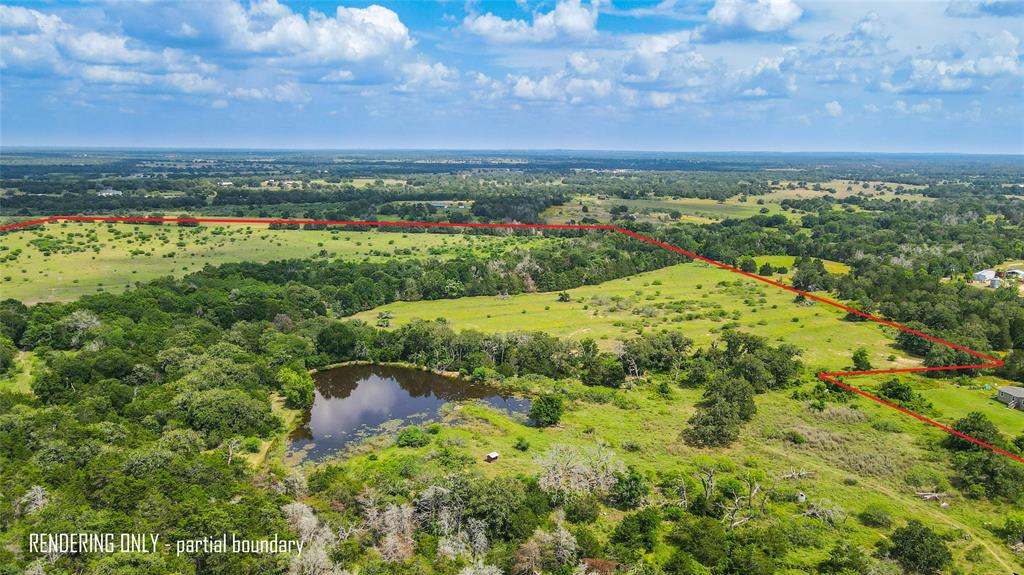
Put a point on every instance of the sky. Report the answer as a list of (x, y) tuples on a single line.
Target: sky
[(719, 75)]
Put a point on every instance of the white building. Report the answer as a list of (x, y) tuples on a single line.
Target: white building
[(1019, 274), (984, 275), (1012, 396)]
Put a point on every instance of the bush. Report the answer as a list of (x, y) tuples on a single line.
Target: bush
[(918, 549), (251, 444), (630, 489), (794, 437), (412, 436), (876, 515), (521, 444), (582, 508), (546, 410), (638, 530)]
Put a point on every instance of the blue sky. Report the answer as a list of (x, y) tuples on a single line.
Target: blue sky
[(776, 75)]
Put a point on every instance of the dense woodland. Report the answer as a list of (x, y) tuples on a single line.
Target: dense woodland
[(143, 405)]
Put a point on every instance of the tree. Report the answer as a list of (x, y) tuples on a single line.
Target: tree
[(606, 370), (638, 530), (918, 549), (630, 489), (861, 360), (337, 340), (747, 265), (766, 269), (546, 410), (978, 426), (298, 388)]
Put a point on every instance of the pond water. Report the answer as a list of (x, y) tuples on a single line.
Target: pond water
[(354, 402)]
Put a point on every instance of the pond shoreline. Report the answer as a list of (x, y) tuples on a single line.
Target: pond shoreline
[(357, 402)]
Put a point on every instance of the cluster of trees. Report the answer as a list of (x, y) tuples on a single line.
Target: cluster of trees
[(731, 374)]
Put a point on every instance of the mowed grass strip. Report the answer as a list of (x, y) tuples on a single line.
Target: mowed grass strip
[(62, 262), (694, 298)]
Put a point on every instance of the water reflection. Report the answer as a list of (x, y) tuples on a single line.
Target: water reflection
[(354, 402)]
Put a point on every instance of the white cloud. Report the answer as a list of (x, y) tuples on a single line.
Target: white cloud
[(351, 34), (568, 19), (926, 107), (422, 76), (583, 64), (966, 67), (287, 92), (732, 18), (768, 78), (834, 109), (546, 88), (35, 42), (980, 8), (338, 76)]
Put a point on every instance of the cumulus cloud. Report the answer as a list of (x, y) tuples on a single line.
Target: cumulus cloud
[(426, 76), (737, 18), (834, 109), (35, 42), (768, 78), (965, 67), (569, 19), (350, 34)]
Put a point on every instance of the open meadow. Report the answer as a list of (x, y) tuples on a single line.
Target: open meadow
[(695, 298), (63, 261)]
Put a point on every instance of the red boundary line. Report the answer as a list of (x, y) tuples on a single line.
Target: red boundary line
[(831, 377)]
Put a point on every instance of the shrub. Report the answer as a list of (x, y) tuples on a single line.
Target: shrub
[(251, 444), (876, 515), (412, 436), (521, 444), (582, 508), (546, 410), (630, 489), (794, 437), (918, 549)]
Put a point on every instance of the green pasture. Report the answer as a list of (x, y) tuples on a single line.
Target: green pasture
[(695, 298), (61, 262)]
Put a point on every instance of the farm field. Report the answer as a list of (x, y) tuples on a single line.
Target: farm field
[(844, 189), (61, 262), (694, 210), (695, 298)]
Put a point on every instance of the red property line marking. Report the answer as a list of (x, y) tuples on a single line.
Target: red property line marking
[(831, 377)]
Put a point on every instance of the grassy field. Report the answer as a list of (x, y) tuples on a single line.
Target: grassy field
[(695, 298), (844, 189), (62, 262), (787, 262), (840, 453), (694, 210)]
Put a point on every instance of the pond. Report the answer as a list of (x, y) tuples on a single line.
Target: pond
[(354, 402)]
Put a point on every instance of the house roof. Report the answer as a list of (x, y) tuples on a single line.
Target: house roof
[(1013, 390)]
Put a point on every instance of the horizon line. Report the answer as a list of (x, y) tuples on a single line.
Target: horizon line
[(33, 147)]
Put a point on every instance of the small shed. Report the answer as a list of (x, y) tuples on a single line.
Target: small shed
[(995, 282), (1012, 396), (491, 457), (984, 275)]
